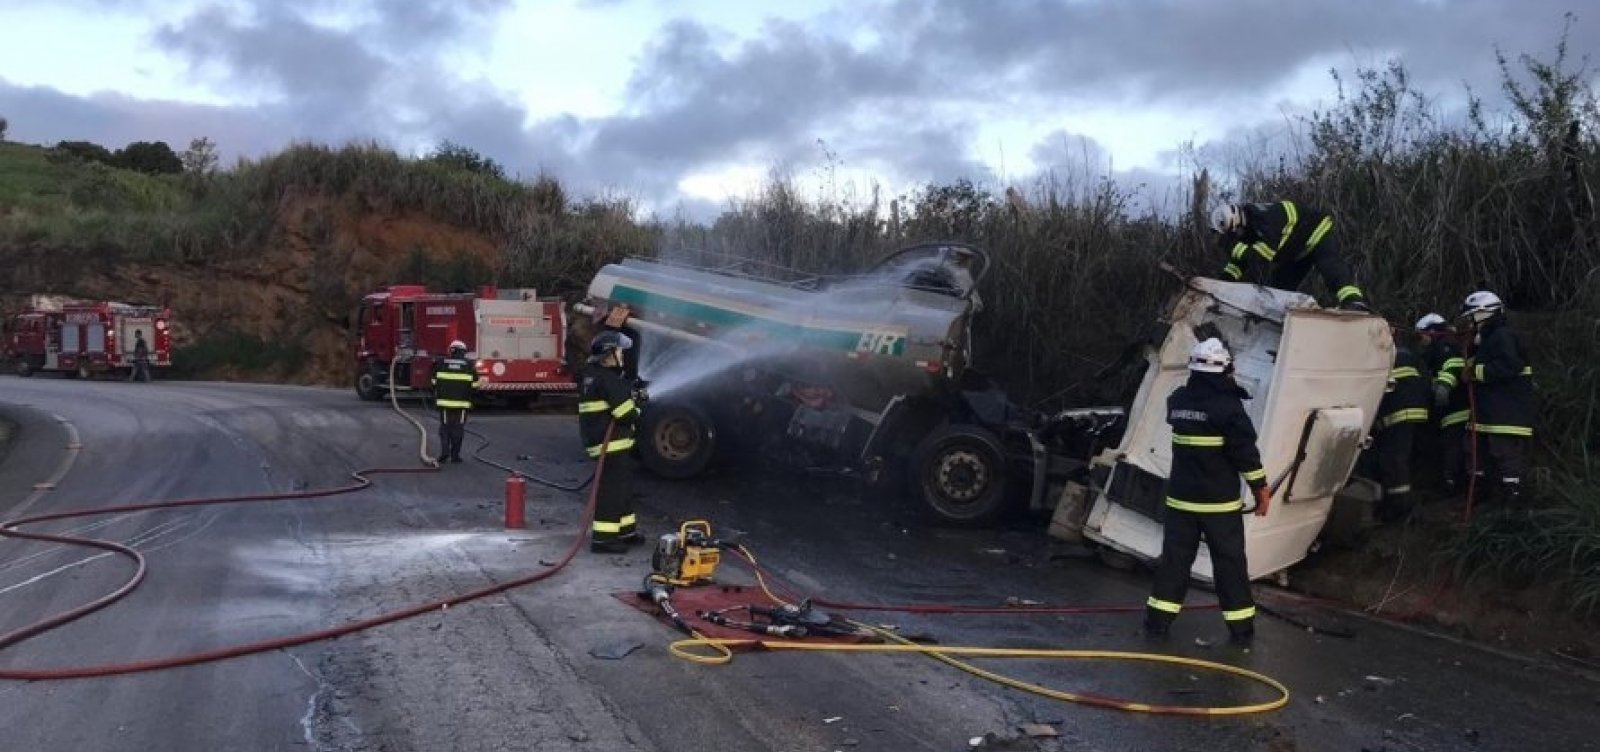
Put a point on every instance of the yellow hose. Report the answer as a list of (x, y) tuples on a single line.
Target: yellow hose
[(723, 653)]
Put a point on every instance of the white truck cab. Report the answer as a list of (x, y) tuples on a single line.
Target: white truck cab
[(1315, 377)]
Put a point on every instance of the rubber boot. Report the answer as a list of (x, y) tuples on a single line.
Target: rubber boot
[(607, 546), (1157, 624), (1242, 633)]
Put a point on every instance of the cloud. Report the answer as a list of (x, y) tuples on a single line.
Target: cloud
[(902, 89)]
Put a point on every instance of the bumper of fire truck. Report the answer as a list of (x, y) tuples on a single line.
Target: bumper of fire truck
[(500, 376)]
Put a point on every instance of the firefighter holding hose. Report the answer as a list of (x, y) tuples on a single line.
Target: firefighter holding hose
[(608, 399), (1213, 444), (454, 378)]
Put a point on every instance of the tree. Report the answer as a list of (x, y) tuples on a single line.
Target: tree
[(87, 151), (150, 157), (200, 159), (456, 156)]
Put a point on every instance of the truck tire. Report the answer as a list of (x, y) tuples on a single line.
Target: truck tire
[(367, 387), (959, 473), (24, 369), (676, 441)]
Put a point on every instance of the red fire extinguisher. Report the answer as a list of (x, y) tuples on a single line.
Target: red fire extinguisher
[(516, 492)]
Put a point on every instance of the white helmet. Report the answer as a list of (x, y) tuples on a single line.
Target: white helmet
[(1210, 356), (1481, 306), (1226, 218), (458, 345), (1429, 322)]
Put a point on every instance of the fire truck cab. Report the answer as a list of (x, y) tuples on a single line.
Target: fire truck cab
[(516, 338)]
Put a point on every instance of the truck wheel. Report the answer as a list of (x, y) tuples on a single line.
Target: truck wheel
[(84, 372), (367, 386), (23, 368), (959, 472), (676, 441)]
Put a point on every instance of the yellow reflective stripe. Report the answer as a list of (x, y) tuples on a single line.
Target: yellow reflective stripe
[(1406, 372), (1197, 441), (1209, 507), (1323, 228), (1527, 370), (1265, 250), (1239, 250), (1233, 270), (452, 376), (1256, 474), (607, 527), (594, 406), (1452, 363), (1447, 378), (453, 404), (619, 445), (1501, 430), (623, 409), (1477, 372), (1239, 614), (1293, 215), (1455, 418), (1348, 291), (1408, 415), (630, 519), (1161, 605)]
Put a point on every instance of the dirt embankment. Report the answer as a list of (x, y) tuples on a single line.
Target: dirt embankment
[(295, 293)]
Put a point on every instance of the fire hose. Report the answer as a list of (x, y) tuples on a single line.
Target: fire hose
[(362, 480), (688, 649)]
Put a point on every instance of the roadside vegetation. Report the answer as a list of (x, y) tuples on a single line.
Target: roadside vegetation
[(1429, 208)]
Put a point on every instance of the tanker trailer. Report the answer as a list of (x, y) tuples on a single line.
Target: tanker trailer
[(868, 374)]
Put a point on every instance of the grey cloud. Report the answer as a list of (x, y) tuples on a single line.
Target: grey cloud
[(44, 115)]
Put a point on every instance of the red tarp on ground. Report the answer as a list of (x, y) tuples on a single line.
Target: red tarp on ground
[(693, 600)]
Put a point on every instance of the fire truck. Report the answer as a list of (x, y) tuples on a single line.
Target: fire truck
[(516, 337), (82, 339)]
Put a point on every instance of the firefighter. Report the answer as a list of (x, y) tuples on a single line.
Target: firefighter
[(1404, 407), (141, 358), (1500, 394), (1213, 444), (606, 398), (1292, 240), (454, 378), (1444, 363)]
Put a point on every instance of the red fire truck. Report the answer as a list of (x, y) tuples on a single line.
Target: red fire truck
[(516, 337), (82, 339)]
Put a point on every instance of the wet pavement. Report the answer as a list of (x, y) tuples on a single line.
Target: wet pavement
[(515, 672)]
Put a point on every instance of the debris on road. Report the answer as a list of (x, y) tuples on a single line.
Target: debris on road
[(1376, 682), (834, 719), (1039, 729), (615, 651), (1014, 601)]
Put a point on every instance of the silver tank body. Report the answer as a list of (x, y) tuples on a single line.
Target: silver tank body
[(867, 338)]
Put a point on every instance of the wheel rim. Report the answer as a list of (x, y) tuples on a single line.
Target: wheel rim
[(960, 476), (677, 439)]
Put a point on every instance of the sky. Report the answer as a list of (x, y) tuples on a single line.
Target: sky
[(684, 106)]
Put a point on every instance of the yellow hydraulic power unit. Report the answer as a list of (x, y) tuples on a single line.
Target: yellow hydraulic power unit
[(687, 557)]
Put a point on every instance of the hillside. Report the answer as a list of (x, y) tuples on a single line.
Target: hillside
[(264, 263)]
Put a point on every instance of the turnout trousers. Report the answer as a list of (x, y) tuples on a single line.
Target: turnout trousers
[(1223, 533), (1287, 274), (614, 518), (452, 431)]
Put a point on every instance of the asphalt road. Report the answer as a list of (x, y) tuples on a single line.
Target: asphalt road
[(515, 672)]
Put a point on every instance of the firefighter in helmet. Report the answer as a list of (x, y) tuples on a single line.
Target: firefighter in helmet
[(1404, 407), (454, 378), (1444, 362), (141, 358), (607, 399), (1292, 240), (1213, 445), (1500, 392)]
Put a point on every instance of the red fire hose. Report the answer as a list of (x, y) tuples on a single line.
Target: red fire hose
[(362, 480)]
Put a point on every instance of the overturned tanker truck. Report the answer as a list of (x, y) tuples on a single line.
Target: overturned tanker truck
[(872, 374)]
